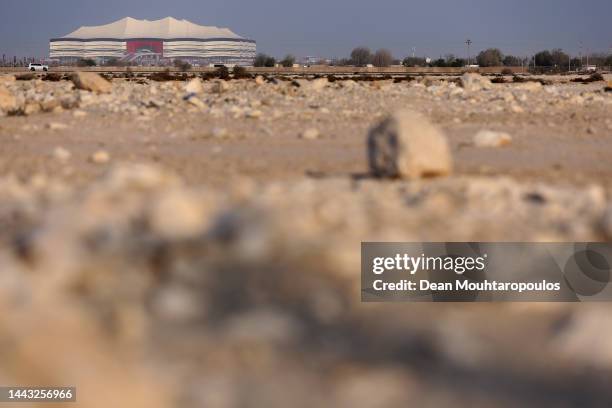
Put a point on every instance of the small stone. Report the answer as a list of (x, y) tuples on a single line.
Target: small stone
[(100, 157), (475, 82), (254, 114), (220, 87), (489, 138), (8, 102), (56, 126), (49, 105), (219, 133), (319, 84), (259, 80), (516, 108), (577, 99), (178, 215), (177, 304), (310, 134), (31, 108), (69, 102), (79, 114), (194, 86), (406, 145), (90, 81), (456, 92), (197, 102), (61, 154), (530, 86)]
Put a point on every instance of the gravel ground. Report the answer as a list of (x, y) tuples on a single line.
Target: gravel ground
[(197, 244)]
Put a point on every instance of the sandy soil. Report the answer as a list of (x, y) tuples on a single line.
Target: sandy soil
[(185, 245), (556, 139)]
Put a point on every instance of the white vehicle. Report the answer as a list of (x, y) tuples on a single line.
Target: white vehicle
[(38, 67)]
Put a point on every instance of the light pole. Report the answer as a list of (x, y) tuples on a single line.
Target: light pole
[(469, 42), (587, 55)]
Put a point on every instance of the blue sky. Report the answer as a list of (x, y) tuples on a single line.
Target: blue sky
[(329, 28)]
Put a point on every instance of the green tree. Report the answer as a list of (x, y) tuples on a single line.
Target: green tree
[(240, 72), (440, 62), (413, 62), (86, 62), (491, 57), (288, 61), (560, 59), (361, 56), (511, 61), (263, 60), (182, 65), (382, 58), (544, 59), (576, 63)]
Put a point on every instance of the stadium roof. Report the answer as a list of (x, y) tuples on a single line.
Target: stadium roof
[(166, 28)]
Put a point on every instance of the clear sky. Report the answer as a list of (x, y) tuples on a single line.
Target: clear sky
[(328, 28)]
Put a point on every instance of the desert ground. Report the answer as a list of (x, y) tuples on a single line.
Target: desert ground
[(197, 243)]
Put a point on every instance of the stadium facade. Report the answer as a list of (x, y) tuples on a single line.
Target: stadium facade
[(150, 42)]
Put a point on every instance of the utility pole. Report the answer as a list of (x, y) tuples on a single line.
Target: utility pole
[(469, 42), (587, 55)]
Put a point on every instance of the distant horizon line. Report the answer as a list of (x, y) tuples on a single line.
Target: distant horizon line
[(607, 52)]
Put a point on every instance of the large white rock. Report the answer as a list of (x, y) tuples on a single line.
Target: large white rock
[(6, 79), (220, 87), (406, 145), (194, 86), (178, 215), (8, 102), (100, 157), (310, 134), (90, 81), (318, 84), (475, 82)]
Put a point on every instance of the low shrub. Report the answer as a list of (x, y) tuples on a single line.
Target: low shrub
[(241, 73)]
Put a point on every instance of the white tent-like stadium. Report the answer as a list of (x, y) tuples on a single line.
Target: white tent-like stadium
[(168, 38)]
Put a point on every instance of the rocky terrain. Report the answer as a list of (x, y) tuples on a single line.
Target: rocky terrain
[(196, 243)]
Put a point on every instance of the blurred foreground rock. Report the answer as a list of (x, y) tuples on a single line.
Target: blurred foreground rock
[(475, 82), (249, 295), (90, 81), (8, 103)]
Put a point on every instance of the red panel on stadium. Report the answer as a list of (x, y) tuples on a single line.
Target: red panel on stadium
[(154, 46)]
